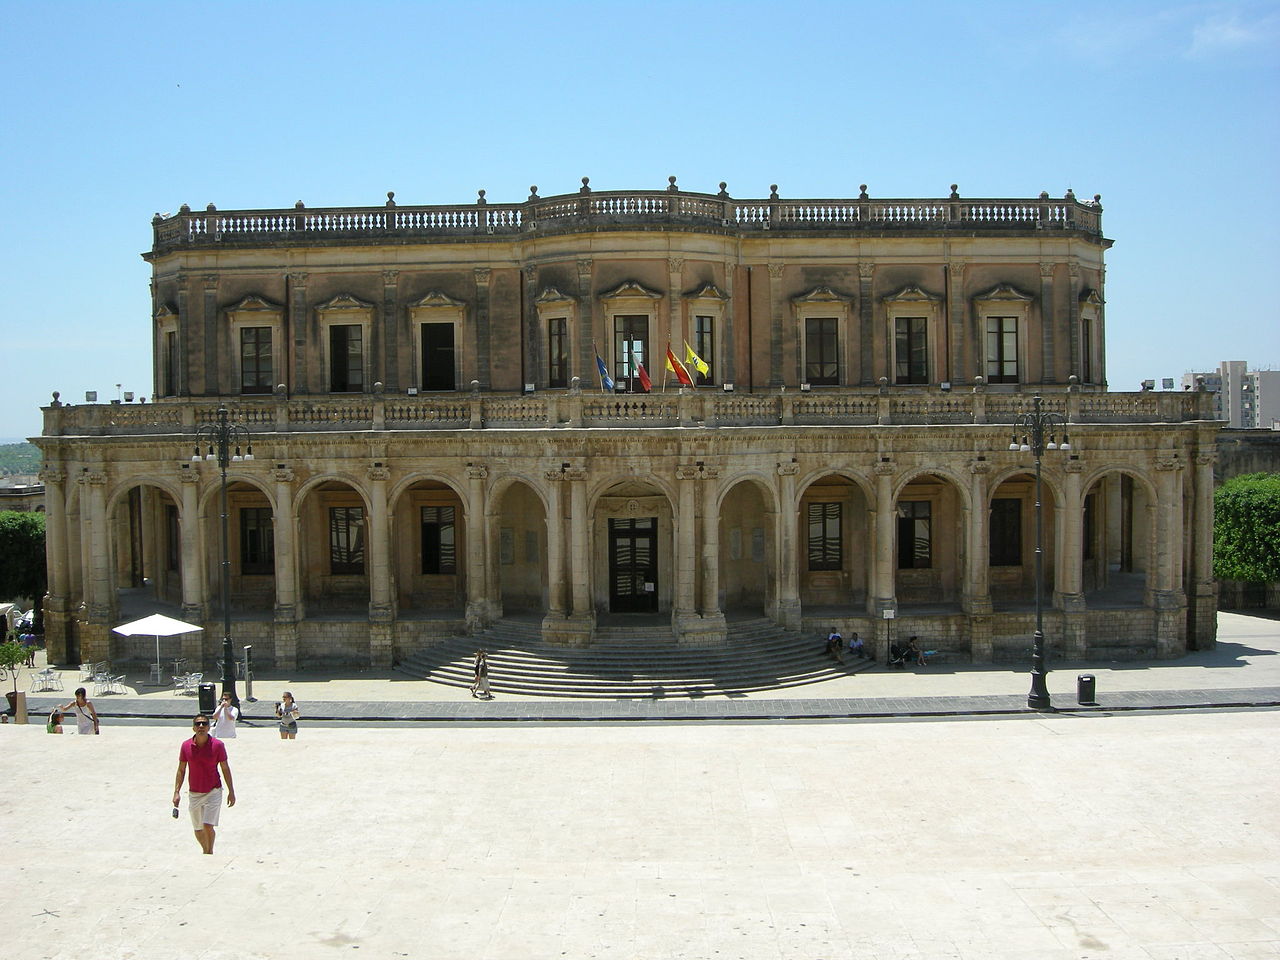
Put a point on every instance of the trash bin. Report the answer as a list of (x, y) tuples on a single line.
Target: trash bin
[(1086, 688), (208, 698)]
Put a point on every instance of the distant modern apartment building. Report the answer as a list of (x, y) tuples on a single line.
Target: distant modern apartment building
[(1247, 399)]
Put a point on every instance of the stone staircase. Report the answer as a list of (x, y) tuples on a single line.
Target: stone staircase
[(632, 663)]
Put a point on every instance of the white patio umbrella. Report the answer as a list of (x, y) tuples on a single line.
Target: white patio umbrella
[(157, 625)]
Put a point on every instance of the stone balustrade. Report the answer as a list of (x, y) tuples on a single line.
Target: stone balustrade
[(605, 209), (568, 409)]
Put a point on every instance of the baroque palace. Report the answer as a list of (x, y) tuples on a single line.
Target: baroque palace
[(678, 407)]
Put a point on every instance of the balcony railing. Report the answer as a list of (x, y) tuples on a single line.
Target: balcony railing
[(595, 210), (569, 409)]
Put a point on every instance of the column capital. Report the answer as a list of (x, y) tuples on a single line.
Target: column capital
[(675, 264), (390, 277), (477, 472), (788, 469), (884, 469), (379, 474), (977, 467), (95, 478), (283, 474), (298, 279), (866, 269), (52, 475), (1073, 466), (187, 475), (210, 281), (1206, 459), (584, 266), (775, 270), (482, 275), (1168, 464), (1046, 269)]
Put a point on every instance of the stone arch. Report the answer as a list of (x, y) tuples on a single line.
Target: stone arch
[(251, 523), (517, 518), (932, 508), (332, 546), (747, 557), (143, 540), (1118, 539), (429, 519), (632, 544), (835, 553)]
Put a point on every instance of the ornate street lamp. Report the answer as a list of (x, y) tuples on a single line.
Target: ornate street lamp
[(1033, 426), (220, 437)]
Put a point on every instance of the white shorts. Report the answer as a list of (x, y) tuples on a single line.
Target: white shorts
[(204, 807)]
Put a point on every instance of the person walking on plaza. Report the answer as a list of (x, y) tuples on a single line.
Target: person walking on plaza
[(480, 686), (287, 713), (224, 719), (203, 756), (82, 707)]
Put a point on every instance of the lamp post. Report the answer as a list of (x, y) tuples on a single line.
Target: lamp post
[(220, 438), (1034, 425)]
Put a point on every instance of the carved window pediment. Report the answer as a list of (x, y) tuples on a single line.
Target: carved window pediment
[(1090, 297), (255, 304), (911, 294), (550, 295), (821, 295), (708, 291), (344, 301), (631, 290), (437, 299), (165, 311), (1004, 293)]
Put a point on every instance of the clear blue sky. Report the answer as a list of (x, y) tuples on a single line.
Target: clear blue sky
[(114, 111)]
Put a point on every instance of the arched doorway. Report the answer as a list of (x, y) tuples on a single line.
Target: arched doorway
[(632, 527), (1118, 541), (429, 553), (146, 553), (520, 520), (333, 550), (1011, 541), (929, 531), (835, 538), (748, 578)]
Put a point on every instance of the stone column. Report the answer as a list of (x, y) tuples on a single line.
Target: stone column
[(1202, 618), (381, 639), (580, 625), (213, 385), (95, 640), (675, 320), (775, 325), (477, 586), (958, 323), (1048, 329), (883, 577), (788, 612), (482, 275), (556, 599), (299, 328), (1068, 565), (977, 589), (711, 545), (1170, 602), (866, 326), (57, 565), (284, 530), (391, 332), (586, 322)]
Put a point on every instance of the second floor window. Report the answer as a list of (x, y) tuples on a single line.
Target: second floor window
[(170, 364), (346, 358), (257, 541), (630, 350), (1002, 349), (346, 540), (557, 353), (255, 360), (911, 350), (704, 345), (821, 351)]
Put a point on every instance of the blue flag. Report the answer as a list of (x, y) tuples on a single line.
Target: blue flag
[(606, 381)]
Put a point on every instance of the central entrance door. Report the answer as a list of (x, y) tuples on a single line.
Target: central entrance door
[(633, 565)]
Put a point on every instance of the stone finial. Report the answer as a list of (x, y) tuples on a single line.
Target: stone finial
[(955, 191), (586, 185), (1044, 194), (378, 387), (156, 219), (533, 193), (299, 205), (391, 198), (475, 386), (210, 208), (280, 390), (724, 190), (184, 209), (979, 380), (1097, 200), (1200, 386), (56, 402), (862, 191), (883, 383), (1073, 384), (671, 185), (1070, 195), (773, 191), (480, 200)]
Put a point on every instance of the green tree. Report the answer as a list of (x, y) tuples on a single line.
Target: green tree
[(12, 658), (1246, 528), (22, 568)]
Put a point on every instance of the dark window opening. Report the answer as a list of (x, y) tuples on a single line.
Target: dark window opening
[(630, 351), (557, 353), (1005, 533), (821, 351), (704, 345), (346, 540), (439, 541), (255, 360), (438, 357), (911, 350), (826, 544), (1002, 349), (257, 541), (346, 358), (915, 535)]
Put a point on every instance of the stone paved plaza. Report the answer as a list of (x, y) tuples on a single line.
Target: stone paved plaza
[(1060, 837)]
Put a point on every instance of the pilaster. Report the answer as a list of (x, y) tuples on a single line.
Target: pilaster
[(300, 332), (866, 325), (775, 324), (212, 354), (788, 612), (482, 275), (391, 331), (1048, 328)]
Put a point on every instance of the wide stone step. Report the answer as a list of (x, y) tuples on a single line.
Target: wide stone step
[(632, 663)]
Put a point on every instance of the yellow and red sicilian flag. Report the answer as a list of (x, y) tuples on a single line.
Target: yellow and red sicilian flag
[(676, 367), (645, 383), (692, 359)]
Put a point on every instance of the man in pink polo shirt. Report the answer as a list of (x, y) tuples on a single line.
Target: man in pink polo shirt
[(203, 755)]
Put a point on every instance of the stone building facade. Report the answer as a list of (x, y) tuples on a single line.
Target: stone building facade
[(434, 447)]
